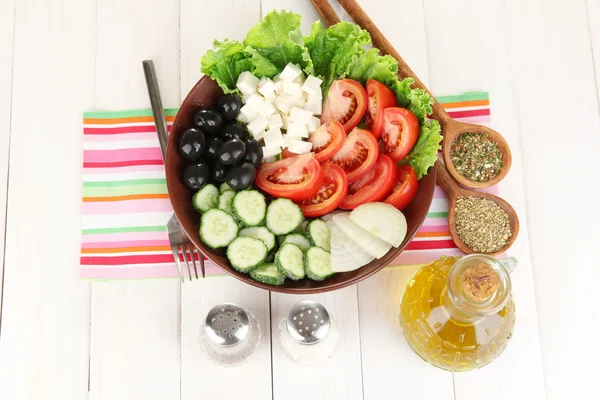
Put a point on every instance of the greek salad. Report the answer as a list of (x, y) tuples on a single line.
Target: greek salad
[(316, 146)]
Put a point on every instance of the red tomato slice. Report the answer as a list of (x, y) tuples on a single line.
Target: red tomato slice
[(400, 132), (374, 186), (327, 140), (295, 178), (380, 97), (358, 154), (329, 196), (405, 189), (346, 102)]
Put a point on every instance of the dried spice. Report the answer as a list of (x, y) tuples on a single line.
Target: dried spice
[(481, 224), (480, 282), (476, 156)]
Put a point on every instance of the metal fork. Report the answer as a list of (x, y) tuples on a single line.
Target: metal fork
[(180, 242)]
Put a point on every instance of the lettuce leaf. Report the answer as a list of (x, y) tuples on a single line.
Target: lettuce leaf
[(261, 66), (332, 50), (277, 38), (372, 65), (225, 62), (424, 154)]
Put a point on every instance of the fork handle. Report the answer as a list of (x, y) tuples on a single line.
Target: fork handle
[(156, 103)]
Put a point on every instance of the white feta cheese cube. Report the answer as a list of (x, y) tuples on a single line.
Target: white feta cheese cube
[(313, 125), (286, 140), (297, 130), (279, 87), (266, 87), (274, 138), (312, 84), (300, 115), (270, 151), (277, 78), (290, 72), (282, 105), (299, 79), (266, 109), (258, 125), (255, 101), (298, 146), (259, 136), (271, 98), (301, 102), (288, 98), (291, 88), (247, 82), (247, 114), (314, 103), (245, 98), (286, 120), (275, 121)]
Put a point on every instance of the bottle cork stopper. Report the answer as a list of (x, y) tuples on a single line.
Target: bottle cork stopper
[(480, 282)]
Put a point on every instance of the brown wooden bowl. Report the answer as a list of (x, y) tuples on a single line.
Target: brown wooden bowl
[(205, 95)]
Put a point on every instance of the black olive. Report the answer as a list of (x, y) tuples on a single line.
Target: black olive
[(218, 172), (231, 152), (229, 105), (241, 177), (209, 121), (212, 147), (192, 144), (254, 153), (195, 175), (234, 130)]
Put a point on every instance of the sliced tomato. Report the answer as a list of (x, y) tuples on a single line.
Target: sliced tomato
[(380, 97), (358, 154), (346, 102), (400, 132), (373, 186), (331, 194), (405, 189), (295, 178), (327, 140)]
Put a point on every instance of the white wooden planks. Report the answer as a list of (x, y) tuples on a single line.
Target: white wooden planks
[(135, 344), (201, 23), (45, 322)]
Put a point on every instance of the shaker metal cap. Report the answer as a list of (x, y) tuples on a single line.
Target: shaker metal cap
[(227, 324), (308, 322)]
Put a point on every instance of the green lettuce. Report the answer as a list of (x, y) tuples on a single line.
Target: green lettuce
[(424, 153), (372, 65), (225, 62)]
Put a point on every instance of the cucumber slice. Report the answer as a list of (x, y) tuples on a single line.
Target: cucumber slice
[(225, 201), (267, 273), (319, 234), (290, 261), (206, 198), (224, 188), (249, 207), (345, 254), (381, 220), (297, 239), (217, 228), (246, 253), (283, 216), (261, 233), (371, 244), (317, 263)]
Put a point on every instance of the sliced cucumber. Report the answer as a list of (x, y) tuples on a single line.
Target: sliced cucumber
[(225, 201), (217, 228), (206, 198), (249, 207), (297, 239), (371, 244), (261, 233), (225, 187), (345, 254), (317, 263), (319, 234), (283, 216), (246, 253), (290, 261), (381, 220), (267, 273)]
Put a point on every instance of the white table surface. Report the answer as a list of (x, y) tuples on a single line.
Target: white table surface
[(61, 338)]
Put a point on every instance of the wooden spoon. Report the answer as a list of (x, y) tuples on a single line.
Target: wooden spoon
[(444, 179), (450, 127)]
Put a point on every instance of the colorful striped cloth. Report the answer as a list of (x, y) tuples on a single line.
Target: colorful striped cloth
[(126, 206)]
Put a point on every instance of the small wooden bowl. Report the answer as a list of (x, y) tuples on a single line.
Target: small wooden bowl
[(452, 129), (205, 95), (454, 192)]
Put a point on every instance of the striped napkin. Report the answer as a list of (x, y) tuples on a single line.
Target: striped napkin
[(125, 203)]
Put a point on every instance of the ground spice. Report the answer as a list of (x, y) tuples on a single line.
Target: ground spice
[(480, 282), (481, 224), (476, 156)]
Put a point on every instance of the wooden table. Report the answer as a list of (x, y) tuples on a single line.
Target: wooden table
[(61, 338)]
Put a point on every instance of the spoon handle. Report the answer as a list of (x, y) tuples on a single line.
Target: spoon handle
[(156, 103), (445, 180), (326, 12)]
